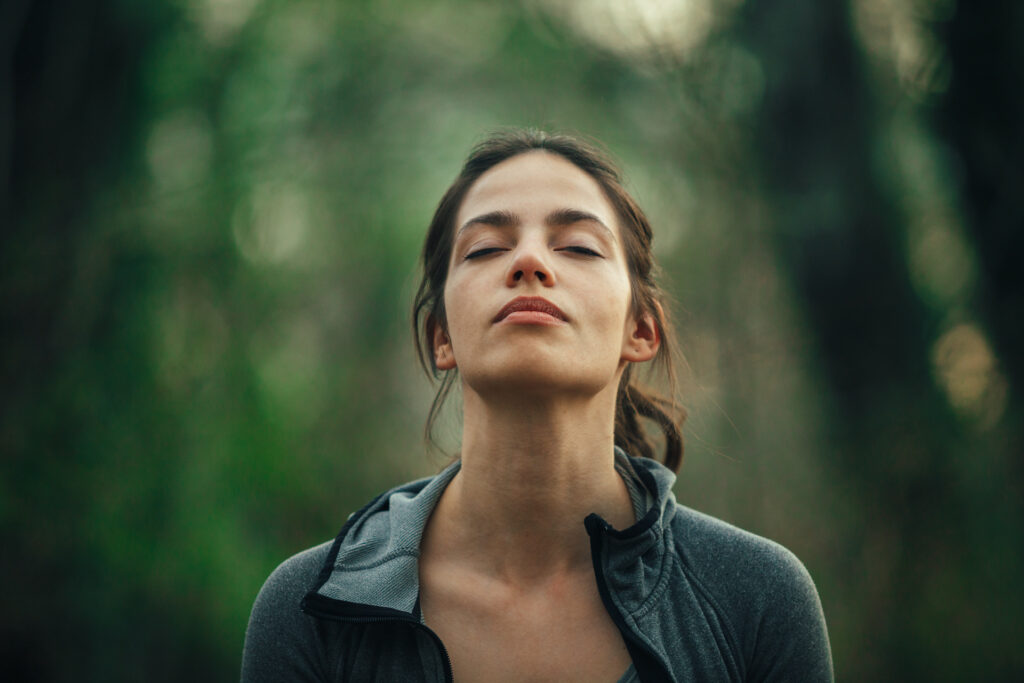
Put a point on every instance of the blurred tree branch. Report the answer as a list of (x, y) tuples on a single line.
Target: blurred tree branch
[(841, 237)]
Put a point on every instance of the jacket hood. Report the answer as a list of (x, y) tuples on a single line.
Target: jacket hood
[(374, 561)]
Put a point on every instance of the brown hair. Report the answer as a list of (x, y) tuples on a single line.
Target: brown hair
[(428, 307)]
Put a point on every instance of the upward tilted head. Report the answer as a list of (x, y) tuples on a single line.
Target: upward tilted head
[(536, 232)]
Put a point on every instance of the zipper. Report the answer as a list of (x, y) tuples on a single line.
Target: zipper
[(449, 677), (650, 668), (323, 607), (336, 610)]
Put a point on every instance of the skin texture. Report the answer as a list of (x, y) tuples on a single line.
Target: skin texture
[(505, 561)]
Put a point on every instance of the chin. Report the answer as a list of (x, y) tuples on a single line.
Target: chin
[(537, 378)]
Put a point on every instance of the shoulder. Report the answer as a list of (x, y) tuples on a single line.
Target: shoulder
[(281, 642), (762, 590), (294, 576), (724, 556)]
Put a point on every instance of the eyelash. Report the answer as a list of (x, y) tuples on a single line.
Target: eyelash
[(482, 252), (582, 251)]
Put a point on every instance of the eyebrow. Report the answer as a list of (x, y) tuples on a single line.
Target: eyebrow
[(557, 218)]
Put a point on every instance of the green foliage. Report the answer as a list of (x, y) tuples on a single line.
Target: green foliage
[(216, 208)]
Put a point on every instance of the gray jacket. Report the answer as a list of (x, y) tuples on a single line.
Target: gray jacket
[(694, 598)]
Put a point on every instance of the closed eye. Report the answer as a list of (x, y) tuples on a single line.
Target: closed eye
[(483, 252), (584, 251)]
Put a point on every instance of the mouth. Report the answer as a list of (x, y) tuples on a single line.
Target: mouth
[(530, 305)]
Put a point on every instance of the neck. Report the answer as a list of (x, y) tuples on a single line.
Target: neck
[(532, 470)]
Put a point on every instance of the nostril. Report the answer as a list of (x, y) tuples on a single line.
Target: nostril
[(518, 275)]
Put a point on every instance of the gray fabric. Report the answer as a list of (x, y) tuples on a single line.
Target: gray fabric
[(282, 643), (642, 499), (379, 563), (707, 601)]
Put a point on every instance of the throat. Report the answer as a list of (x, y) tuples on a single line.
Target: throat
[(521, 534)]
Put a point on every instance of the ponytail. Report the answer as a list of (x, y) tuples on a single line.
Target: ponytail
[(633, 403)]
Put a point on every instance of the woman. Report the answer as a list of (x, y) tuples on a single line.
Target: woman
[(545, 553)]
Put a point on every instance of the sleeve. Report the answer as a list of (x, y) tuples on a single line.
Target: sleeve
[(282, 643), (792, 639)]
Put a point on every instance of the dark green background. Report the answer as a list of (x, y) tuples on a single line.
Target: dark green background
[(211, 212)]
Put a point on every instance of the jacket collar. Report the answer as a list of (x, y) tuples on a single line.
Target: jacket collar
[(374, 561)]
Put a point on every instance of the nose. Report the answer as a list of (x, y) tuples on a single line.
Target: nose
[(530, 263)]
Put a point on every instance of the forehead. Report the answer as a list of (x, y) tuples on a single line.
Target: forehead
[(534, 183)]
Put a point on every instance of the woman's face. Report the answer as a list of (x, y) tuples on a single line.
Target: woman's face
[(538, 290)]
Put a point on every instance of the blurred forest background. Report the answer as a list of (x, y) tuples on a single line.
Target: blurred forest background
[(211, 212)]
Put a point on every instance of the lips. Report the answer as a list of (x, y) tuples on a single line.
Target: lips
[(530, 303)]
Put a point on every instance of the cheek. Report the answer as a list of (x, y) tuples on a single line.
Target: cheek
[(455, 314), (455, 288), (610, 317), (451, 312), (617, 302)]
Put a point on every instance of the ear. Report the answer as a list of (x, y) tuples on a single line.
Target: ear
[(444, 357), (642, 339)]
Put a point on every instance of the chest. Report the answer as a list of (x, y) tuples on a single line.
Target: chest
[(493, 634)]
